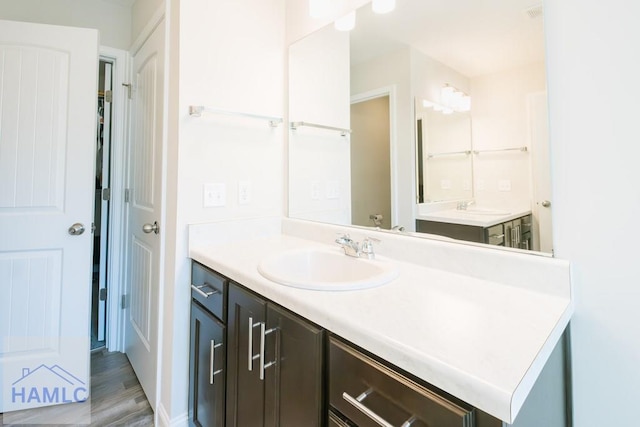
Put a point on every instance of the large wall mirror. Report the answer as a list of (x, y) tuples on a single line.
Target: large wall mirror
[(430, 120)]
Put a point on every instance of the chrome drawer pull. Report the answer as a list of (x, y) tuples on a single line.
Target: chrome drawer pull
[(251, 356), (410, 421), (212, 360), (263, 335), (199, 290), (357, 403)]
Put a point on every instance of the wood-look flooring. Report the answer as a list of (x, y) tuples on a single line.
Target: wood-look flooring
[(117, 399)]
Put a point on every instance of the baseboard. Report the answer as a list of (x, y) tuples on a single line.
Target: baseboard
[(163, 419)]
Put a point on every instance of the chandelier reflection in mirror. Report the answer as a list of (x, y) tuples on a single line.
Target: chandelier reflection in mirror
[(451, 99), (319, 9)]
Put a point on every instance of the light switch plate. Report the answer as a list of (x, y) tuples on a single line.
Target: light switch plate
[(315, 190), (504, 185), (333, 190), (244, 192), (214, 195)]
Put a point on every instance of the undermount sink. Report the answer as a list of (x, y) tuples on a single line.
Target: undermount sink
[(481, 211), (324, 269)]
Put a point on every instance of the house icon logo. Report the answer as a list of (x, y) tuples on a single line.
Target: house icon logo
[(48, 385)]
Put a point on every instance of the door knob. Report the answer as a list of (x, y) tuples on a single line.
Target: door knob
[(76, 229), (148, 228), (546, 203)]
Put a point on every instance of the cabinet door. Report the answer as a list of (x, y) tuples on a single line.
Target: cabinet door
[(293, 371), (245, 390), (206, 369)]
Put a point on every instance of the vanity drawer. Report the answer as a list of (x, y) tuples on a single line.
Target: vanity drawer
[(370, 394), (209, 289), (495, 235)]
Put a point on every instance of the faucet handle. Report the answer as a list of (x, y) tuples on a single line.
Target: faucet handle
[(343, 238), (367, 247)]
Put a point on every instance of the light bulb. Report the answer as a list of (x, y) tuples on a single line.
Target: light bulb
[(446, 94), (383, 6), (347, 22)]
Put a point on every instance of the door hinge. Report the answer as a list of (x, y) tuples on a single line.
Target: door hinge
[(126, 195), (128, 86), (103, 294), (108, 96), (106, 194), (123, 302)]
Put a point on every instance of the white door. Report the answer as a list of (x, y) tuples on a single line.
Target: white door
[(539, 122), (145, 209), (48, 87)]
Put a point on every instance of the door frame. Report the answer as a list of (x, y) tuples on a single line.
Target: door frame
[(389, 91), (117, 248)]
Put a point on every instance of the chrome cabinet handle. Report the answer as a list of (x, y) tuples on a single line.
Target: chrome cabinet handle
[(545, 203), (496, 236), (148, 228), (212, 360), (263, 337), (252, 356), (357, 403), (76, 229), (199, 290)]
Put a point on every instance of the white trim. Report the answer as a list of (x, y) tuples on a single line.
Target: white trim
[(389, 91), (154, 21), (117, 215), (163, 419)]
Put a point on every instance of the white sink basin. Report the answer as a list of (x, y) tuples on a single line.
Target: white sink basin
[(480, 211), (324, 269)]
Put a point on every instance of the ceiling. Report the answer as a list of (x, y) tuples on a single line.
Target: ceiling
[(474, 37)]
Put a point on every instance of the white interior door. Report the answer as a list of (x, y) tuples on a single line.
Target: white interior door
[(539, 121), (145, 209), (48, 86)]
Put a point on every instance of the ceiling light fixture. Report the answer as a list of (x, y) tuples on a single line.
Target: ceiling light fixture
[(383, 6), (455, 99), (347, 22)]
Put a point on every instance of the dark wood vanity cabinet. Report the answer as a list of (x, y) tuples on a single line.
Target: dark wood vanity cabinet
[(253, 363), (274, 365), (367, 393), (207, 366), (515, 233)]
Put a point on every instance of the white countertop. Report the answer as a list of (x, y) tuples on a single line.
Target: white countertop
[(471, 216), (480, 340)]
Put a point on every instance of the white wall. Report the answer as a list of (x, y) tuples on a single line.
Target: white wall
[(231, 56), (500, 120), (113, 20), (319, 160), (593, 67)]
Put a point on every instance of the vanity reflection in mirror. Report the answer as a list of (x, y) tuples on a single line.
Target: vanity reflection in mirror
[(394, 150)]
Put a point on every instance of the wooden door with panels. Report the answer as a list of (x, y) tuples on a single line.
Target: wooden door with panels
[(48, 85), (145, 203)]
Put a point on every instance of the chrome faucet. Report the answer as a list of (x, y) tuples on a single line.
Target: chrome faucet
[(463, 205), (354, 249)]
